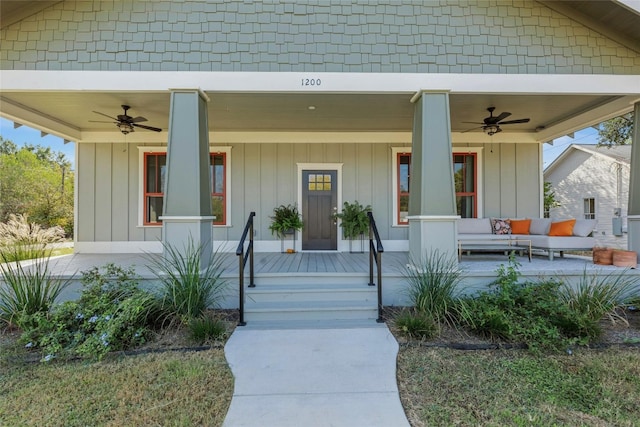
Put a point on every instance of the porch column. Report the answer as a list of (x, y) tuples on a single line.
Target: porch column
[(432, 203), (633, 214), (187, 214)]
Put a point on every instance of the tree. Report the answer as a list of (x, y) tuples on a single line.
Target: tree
[(616, 131), (38, 182), (7, 147), (549, 199)]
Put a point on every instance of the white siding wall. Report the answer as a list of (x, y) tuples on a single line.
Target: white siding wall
[(583, 175)]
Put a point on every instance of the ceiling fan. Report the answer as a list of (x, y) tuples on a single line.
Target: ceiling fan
[(126, 123), (491, 125)]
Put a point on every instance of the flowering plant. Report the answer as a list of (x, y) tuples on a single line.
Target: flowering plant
[(113, 313)]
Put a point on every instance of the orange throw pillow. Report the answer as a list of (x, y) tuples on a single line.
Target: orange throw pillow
[(562, 228), (520, 226)]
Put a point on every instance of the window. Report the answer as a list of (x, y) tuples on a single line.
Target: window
[(590, 208), (465, 169), (404, 166), (464, 177), (218, 187), (155, 166)]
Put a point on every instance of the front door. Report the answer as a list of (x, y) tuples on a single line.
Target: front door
[(319, 202)]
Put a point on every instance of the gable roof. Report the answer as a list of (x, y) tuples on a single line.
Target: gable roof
[(619, 153), (617, 19), (15, 10)]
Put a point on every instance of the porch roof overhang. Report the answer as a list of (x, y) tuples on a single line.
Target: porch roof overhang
[(62, 102)]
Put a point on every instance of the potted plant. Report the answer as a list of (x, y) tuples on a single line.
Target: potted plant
[(355, 222), (285, 220)]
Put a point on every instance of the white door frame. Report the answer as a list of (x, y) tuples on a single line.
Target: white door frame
[(320, 166)]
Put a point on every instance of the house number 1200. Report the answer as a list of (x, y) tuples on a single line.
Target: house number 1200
[(311, 82)]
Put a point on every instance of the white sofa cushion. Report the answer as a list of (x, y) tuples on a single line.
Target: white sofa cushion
[(474, 226), (540, 226), (584, 227), (484, 237), (561, 242)]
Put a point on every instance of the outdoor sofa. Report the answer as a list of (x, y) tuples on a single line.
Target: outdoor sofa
[(540, 233)]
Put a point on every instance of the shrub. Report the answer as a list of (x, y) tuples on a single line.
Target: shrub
[(187, 291), (113, 313), (598, 297), (206, 328), (26, 291), (432, 286), (415, 325), (530, 313)]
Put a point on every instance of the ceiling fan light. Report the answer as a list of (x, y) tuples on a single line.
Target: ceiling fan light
[(491, 129), (125, 128)]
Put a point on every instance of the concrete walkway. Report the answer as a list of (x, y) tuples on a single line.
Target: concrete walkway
[(314, 377)]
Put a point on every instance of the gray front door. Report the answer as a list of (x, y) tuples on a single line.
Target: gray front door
[(319, 198)]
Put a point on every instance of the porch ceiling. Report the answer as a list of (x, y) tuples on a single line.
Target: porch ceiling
[(291, 112)]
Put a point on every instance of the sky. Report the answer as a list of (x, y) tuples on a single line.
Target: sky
[(26, 134), (584, 136)]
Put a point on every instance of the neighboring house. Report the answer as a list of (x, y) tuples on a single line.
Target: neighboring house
[(593, 182), (314, 103)]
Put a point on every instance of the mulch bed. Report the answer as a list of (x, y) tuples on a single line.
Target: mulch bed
[(175, 337), (618, 333)]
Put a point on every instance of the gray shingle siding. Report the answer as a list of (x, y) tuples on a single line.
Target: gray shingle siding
[(315, 36)]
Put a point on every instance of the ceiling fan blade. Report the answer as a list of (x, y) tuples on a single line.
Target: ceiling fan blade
[(138, 119), (147, 127), (502, 116), (102, 114), (512, 122), (469, 130), (100, 121), (474, 123)]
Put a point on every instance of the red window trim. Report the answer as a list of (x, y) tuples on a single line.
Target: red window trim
[(467, 193), (146, 194), (224, 187), (399, 193), (475, 180)]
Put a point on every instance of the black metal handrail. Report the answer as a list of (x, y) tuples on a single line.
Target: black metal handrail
[(242, 259), (375, 254)]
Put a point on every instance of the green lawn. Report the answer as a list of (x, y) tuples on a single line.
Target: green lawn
[(506, 388), (168, 389)]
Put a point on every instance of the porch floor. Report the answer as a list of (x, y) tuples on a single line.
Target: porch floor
[(269, 264)]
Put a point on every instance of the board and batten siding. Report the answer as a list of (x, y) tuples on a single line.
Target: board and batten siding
[(400, 36), (512, 182), (583, 175), (264, 175)]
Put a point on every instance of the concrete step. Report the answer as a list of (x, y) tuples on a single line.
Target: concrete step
[(324, 292), (314, 324), (266, 279), (310, 310)]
